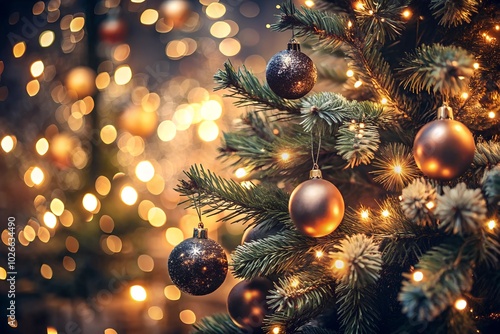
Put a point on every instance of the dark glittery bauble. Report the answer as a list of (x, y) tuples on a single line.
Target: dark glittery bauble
[(246, 303), (197, 266), (291, 74), (259, 232), (444, 149), (316, 207)]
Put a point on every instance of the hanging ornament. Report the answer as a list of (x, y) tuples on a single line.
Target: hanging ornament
[(113, 29), (290, 73), (81, 81), (258, 232), (444, 148), (138, 121), (246, 303), (316, 206), (176, 10), (198, 265)]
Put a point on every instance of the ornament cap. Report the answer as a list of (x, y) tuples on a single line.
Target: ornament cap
[(200, 232), (293, 44), (445, 112), (315, 173)]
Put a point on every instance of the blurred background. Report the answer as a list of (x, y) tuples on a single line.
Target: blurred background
[(103, 104)]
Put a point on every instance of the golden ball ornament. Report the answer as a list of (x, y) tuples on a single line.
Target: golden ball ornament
[(139, 122), (316, 207), (81, 81), (444, 149)]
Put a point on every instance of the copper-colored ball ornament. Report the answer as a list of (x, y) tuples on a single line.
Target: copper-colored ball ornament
[(246, 303), (81, 81), (290, 73), (113, 30), (444, 148), (198, 265), (138, 121), (316, 206)]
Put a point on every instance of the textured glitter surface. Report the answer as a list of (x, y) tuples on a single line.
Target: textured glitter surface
[(291, 74), (197, 266)]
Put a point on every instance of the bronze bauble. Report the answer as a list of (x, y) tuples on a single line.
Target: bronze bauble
[(246, 303), (316, 207), (444, 149)]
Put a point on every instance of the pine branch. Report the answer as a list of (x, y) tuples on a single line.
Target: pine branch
[(314, 330), (280, 253), (487, 154), (240, 204), (217, 324), (305, 290), (437, 68), (357, 309), (380, 21), (248, 90), (453, 13), (357, 144), (333, 30), (323, 111)]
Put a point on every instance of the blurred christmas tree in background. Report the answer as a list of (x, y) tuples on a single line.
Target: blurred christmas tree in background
[(103, 104)]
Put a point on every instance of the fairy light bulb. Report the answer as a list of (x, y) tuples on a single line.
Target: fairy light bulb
[(430, 205), (295, 283), (491, 114), (349, 73), (406, 13), (339, 264), (319, 254), (358, 84), (460, 304), (365, 214), (240, 173), (398, 169), (276, 330), (285, 156), (385, 213), (491, 224), (418, 276)]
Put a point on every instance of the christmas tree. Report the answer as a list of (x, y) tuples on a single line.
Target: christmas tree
[(376, 200)]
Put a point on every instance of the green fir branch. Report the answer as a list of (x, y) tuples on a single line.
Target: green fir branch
[(380, 21), (357, 309), (314, 330), (324, 111), (248, 90), (240, 204), (355, 146), (487, 154), (310, 290), (217, 324), (437, 68), (453, 12), (283, 252)]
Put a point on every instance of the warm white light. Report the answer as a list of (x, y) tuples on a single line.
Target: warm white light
[(398, 169), (90, 202), (42, 146), (37, 176), (460, 304), (129, 195), (276, 330), (464, 95), (7, 143), (138, 293), (49, 219), (491, 114), (365, 214), (418, 276), (339, 264), (358, 84), (309, 3), (37, 68), (240, 173), (294, 283), (123, 75), (319, 254), (285, 156), (406, 13), (383, 100), (349, 73), (476, 66), (145, 171), (491, 224), (385, 213), (430, 205)]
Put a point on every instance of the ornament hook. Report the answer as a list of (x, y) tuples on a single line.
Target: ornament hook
[(315, 173)]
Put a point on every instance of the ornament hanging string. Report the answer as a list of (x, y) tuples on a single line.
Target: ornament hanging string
[(315, 158), (197, 206)]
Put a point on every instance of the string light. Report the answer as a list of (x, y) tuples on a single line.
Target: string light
[(460, 304), (385, 213), (383, 100), (476, 66), (418, 276), (128, 195), (319, 254), (398, 169), (285, 156), (358, 84), (90, 202), (464, 95), (491, 114), (365, 214), (309, 3), (294, 283), (430, 205), (349, 73), (339, 264), (276, 330), (406, 13), (240, 173), (491, 224)]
